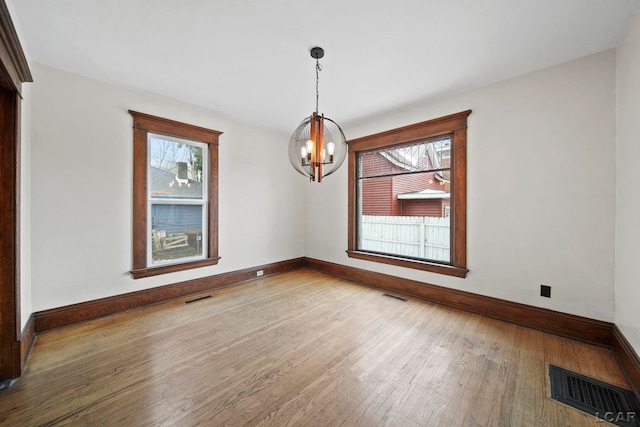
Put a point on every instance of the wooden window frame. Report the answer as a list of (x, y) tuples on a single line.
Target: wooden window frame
[(143, 124), (454, 125)]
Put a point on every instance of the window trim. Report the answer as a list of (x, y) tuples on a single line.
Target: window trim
[(143, 124), (455, 125)]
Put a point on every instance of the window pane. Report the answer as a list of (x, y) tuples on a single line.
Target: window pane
[(176, 232), (176, 168), (418, 157), (403, 214)]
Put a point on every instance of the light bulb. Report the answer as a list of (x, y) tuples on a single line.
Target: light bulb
[(331, 148), (303, 153), (322, 155), (309, 149)]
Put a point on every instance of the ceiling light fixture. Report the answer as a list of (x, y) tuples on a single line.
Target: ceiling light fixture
[(318, 146)]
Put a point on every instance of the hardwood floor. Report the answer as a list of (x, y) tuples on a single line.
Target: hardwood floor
[(299, 348)]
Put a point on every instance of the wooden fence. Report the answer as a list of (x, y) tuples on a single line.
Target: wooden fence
[(415, 236)]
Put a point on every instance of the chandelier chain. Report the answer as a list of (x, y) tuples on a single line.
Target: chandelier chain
[(318, 69)]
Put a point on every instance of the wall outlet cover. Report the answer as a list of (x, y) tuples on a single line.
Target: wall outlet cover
[(545, 291)]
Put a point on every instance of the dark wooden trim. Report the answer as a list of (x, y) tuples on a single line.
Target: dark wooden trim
[(628, 359), (139, 199), (169, 127), (407, 134), (18, 195), (9, 230), (15, 68), (409, 263), (352, 203), (172, 268), (67, 315), (27, 340), (454, 125), (212, 217), (142, 125), (459, 203), (580, 328)]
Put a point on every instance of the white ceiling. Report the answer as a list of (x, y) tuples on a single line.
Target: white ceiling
[(249, 59)]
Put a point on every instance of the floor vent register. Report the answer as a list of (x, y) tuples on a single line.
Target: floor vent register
[(604, 401)]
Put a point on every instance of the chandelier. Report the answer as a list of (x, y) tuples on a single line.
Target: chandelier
[(318, 146)]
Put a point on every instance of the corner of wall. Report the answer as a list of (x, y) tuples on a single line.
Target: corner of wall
[(627, 206)]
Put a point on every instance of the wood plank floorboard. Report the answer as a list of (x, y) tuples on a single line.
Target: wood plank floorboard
[(299, 349)]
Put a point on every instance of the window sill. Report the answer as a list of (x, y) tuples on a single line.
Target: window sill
[(172, 268), (432, 267)]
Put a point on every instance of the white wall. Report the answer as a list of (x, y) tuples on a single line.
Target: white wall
[(627, 283), (81, 170), (541, 189)]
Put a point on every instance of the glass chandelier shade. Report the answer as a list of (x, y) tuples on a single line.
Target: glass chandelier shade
[(318, 146)]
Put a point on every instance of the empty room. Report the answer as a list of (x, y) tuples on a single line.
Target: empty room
[(319, 213)]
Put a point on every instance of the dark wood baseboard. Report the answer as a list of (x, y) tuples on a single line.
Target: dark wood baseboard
[(627, 358), (580, 328), (62, 316), (571, 326), (27, 340)]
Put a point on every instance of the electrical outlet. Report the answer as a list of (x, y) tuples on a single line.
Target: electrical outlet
[(259, 273), (545, 291)]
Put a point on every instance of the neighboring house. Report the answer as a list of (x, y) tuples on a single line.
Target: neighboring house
[(403, 194), (175, 218), (167, 184)]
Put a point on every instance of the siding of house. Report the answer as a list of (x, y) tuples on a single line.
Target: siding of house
[(376, 196), (177, 218), (414, 183), (430, 207), (376, 164), (380, 195)]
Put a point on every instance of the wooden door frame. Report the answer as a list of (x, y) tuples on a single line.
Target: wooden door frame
[(14, 70)]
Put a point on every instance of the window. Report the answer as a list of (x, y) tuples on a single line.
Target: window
[(407, 196), (175, 196)]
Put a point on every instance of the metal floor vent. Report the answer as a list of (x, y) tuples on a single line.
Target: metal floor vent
[(395, 297), (605, 401), (197, 299)]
